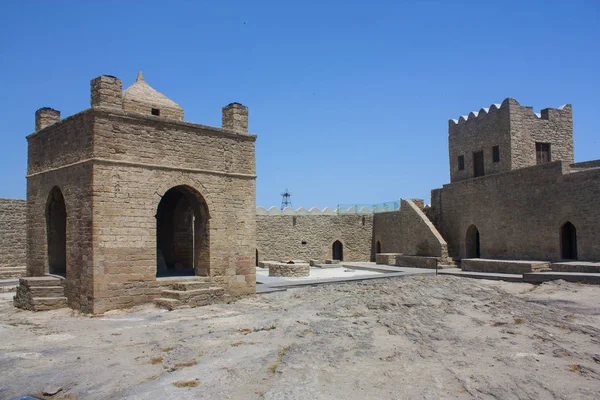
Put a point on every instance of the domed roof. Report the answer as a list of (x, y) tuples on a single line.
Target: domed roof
[(142, 97)]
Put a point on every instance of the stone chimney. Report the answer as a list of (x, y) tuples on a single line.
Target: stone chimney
[(106, 91), (235, 118), (46, 116)]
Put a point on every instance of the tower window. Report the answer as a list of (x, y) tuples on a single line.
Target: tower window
[(496, 154), (461, 163), (155, 111), (542, 153)]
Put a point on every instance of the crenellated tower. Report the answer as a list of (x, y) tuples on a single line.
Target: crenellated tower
[(508, 136)]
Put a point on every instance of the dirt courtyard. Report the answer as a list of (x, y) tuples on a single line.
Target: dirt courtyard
[(418, 337)]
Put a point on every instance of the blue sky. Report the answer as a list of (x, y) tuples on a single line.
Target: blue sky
[(350, 99)]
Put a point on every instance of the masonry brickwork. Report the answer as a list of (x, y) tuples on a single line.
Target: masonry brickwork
[(519, 214), (306, 236), (515, 129), (12, 233), (408, 231), (113, 163)]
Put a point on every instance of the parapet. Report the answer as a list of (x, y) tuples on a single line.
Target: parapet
[(313, 211), (509, 107), (106, 91), (46, 116), (235, 118)]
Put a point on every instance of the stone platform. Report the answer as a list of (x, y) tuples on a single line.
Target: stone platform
[(579, 277), (289, 270), (406, 261), (503, 266), (576, 266)]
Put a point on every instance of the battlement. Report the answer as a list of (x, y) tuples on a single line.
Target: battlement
[(313, 211), (508, 136), (513, 107)]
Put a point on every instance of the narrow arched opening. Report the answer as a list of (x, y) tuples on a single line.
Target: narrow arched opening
[(568, 241), (182, 234), (473, 243), (337, 251), (56, 232), (257, 257), (378, 247)]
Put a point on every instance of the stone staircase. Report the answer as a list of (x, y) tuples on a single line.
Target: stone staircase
[(41, 293), (192, 293), (12, 272)]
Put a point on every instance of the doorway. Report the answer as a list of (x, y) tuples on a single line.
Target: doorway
[(473, 243)]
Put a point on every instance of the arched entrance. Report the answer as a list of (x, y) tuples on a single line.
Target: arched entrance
[(568, 241), (473, 244), (56, 232), (182, 234), (378, 247), (337, 250)]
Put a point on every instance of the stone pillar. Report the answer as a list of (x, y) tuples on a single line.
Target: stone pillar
[(106, 91), (46, 116), (235, 118)]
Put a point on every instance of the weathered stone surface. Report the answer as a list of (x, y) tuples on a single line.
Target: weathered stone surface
[(112, 164), (289, 270), (312, 236), (515, 129), (503, 266), (12, 237), (408, 231)]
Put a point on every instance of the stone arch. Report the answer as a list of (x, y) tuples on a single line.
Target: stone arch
[(337, 250), (568, 241), (473, 243), (56, 232), (378, 247), (182, 233)]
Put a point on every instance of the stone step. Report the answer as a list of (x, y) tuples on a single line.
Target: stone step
[(36, 281), (192, 285), (47, 291), (187, 294), (167, 304), (12, 272), (48, 303)]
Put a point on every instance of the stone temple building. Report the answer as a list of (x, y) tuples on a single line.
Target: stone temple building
[(125, 197)]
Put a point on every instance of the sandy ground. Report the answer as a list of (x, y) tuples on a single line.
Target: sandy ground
[(418, 337)]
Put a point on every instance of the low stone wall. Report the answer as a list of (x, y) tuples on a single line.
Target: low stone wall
[(386, 258), (289, 270), (13, 240), (503, 266), (417, 261), (577, 266)]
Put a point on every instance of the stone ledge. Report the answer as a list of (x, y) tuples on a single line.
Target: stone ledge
[(503, 266)]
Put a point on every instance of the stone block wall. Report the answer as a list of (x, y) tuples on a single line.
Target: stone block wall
[(311, 236), (408, 231), (515, 129), (138, 159), (519, 213), (13, 215)]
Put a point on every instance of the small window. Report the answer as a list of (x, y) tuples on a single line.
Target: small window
[(461, 163), (155, 111), (304, 243), (496, 154), (294, 221), (364, 220), (478, 164), (542, 153)]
